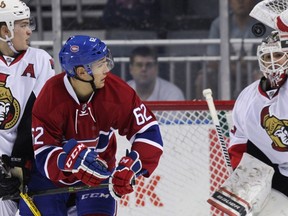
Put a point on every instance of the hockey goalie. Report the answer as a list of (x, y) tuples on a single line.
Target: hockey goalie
[(258, 146)]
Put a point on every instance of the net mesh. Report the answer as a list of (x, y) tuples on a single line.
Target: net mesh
[(192, 166)]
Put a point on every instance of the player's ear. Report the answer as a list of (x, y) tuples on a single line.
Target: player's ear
[(80, 71), (4, 31)]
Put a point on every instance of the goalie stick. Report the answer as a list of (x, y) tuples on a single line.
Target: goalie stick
[(209, 99), (247, 189)]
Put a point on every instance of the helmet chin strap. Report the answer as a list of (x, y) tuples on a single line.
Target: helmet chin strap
[(10, 44), (90, 81)]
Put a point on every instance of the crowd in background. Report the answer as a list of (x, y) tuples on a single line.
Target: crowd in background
[(183, 19)]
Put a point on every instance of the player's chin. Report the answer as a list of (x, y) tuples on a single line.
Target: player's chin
[(24, 46), (27, 42)]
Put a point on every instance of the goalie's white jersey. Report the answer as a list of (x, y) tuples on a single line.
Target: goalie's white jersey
[(262, 118), (21, 79)]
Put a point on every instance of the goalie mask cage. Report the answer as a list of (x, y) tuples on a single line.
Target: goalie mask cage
[(192, 166)]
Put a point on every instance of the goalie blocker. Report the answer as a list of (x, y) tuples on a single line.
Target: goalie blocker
[(246, 190)]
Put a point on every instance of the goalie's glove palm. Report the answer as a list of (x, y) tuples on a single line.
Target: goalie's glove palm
[(122, 179), (85, 163)]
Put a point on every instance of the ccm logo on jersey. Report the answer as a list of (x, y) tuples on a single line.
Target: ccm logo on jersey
[(75, 152)]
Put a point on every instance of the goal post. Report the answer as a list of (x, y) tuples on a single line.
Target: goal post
[(192, 166)]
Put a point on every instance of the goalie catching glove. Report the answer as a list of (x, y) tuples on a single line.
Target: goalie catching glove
[(122, 179), (85, 163)]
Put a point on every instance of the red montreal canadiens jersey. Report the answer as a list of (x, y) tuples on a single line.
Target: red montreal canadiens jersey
[(58, 116), (262, 118), (21, 79)]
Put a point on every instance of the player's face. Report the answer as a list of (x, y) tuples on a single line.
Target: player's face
[(22, 34), (274, 66), (275, 59), (144, 70), (100, 70)]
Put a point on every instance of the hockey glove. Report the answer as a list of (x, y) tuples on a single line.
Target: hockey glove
[(85, 163), (9, 185), (122, 179)]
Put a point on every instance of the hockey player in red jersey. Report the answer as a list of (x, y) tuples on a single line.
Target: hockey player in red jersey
[(260, 114), (74, 121), (23, 72)]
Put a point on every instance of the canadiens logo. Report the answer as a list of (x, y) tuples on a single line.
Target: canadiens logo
[(9, 106), (74, 48)]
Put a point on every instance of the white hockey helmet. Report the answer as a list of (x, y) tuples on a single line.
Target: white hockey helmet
[(10, 11), (273, 58)]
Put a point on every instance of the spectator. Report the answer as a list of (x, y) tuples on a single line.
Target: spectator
[(24, 70), (240, 26), (146, 82), (131, 14)]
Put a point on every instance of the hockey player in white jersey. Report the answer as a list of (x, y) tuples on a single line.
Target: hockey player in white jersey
[(23, 72), (258, 146), (260, 115)]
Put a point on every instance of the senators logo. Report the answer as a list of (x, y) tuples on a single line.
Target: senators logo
[(277, 129), (9, 106)]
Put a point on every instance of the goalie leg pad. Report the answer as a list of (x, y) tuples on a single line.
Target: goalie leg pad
[(246, 190)]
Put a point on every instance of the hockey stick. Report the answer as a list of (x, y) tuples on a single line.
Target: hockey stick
[(60, 190), (209, 99), (27, 197), (31, 205), (29, 202)]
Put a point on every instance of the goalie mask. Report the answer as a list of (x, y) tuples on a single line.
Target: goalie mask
[(273, 59), (11, 11), (81, 50)]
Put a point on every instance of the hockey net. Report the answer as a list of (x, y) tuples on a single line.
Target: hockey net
[(192, 166)]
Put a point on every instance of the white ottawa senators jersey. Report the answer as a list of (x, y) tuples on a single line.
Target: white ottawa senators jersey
[(262, 118), (21, 79)]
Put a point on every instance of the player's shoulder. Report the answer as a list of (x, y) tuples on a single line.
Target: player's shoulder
[(116, 89), (38, 53), (53, 88), (248, 95), (54, 84), (56, 80), (117, 83)]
